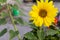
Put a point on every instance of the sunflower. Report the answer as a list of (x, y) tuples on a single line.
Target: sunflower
[(43, 13)]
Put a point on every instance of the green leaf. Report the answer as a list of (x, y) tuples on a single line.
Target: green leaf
[(58, 33), (15, 6), (21, 13), (3, 14), (54, 38), (30, 36), (51, 32), (3, 21), (40, 34), (3, 32), (13, 34), (0, 7), (2, 1), (33, 26), (19, 21)]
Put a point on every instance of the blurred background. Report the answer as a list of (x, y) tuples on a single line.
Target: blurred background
[(26, 6)]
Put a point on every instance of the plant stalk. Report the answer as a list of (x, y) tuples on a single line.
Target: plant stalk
[(12, 20)]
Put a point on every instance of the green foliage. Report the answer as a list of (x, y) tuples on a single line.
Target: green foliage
[(3, 32), (51, 32), (15, 12), (3, 21), (41, 34), (0, 6), (13, 34), (30, 36), (21, 13), (19, 21), (14, 6), (35, 34), (33, 26), (58, 34), (2, 1), (51, 38), (3, 15)]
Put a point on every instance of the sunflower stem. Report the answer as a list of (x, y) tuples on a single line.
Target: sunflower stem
[(12, 20), (55, 26)]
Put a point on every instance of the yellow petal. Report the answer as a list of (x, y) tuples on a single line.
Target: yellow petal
[(46, 1), (42, 1), (53, 12), (34, 8), (50, 18), (33, 14), (51, 3), (40, 21), (39, 5), (47, 21), (36, 22)]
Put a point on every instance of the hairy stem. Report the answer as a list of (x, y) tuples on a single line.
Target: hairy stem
[(12, 20)]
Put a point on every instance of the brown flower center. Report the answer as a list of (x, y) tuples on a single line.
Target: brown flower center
[(43, 13)]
